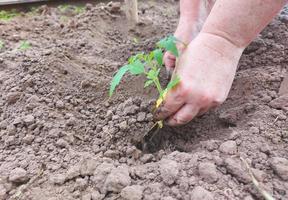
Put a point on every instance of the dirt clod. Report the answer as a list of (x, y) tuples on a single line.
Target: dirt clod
[(133, 192), (208, 172), (280, 166), (18, 175), (117, 180), (200, 193), (169, 170), (228, 147)]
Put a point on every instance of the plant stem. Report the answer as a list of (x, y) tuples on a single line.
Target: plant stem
[(158, 85)]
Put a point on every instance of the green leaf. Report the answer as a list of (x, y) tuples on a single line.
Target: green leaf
[(138, 56), (173, 83), (158, 56), (169, 44), (136, 68), (117, 78), (148, 83), (152, 74)]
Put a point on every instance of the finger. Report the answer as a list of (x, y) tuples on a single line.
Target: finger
[(207, 108), (184, 115), (169, 61), (173, 102)]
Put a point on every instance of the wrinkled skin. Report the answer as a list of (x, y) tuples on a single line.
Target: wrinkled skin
[(208, 65)]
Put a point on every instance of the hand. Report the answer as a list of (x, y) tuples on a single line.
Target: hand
[(185, 32), (206, 70)]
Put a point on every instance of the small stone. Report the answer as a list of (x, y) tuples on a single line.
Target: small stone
[(59, 104), (118, 179), (62, 143), (112, 154), (208, 172), (280, 102), (169, 170), (89, 6), (100, 174), (168, 198), (130, 110), (29, 119), (3, 192), (146, 158), (86, 197), (228, 147), (236, 169), (73, 172), (28, 139), (254, 130), (57, 179), (115, 7), (13, 97), (18, 175), (17, 121), (200, 193), (134, 192), (88, 167), (280, 167), (211, 145), (141, 116), (284, 85), (123, 126), (81, 183), (95, 195)]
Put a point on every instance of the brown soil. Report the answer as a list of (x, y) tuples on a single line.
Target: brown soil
[(61, 138)]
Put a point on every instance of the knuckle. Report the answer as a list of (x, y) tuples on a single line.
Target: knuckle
[(214, 98), (181, 93)]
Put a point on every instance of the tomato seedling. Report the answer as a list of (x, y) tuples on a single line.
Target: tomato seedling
[(149, 65)]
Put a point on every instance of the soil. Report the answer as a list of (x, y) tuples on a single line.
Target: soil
[(62, 137)]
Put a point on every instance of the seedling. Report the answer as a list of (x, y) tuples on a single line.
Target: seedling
[(24, 45), (149, 65)]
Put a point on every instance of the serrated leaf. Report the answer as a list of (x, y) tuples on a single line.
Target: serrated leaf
[(136, 67), (173, 83), (169, 44), (152, 74), (148, 83), (158, 56), (117, 78)]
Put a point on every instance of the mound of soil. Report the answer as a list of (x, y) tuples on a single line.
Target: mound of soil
[(62, 138)]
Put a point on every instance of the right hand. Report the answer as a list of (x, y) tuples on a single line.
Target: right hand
[(206, 70)]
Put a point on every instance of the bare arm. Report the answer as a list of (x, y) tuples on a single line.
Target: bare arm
[(240, 21)]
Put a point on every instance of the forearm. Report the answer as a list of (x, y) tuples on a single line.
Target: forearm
[(190, 9), (239, 22)]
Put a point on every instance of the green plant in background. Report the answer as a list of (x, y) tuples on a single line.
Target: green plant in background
[(79, 9), (75, 9), (33, 11), (1, 44), (24, 45), (8, 15), (149, 65)]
